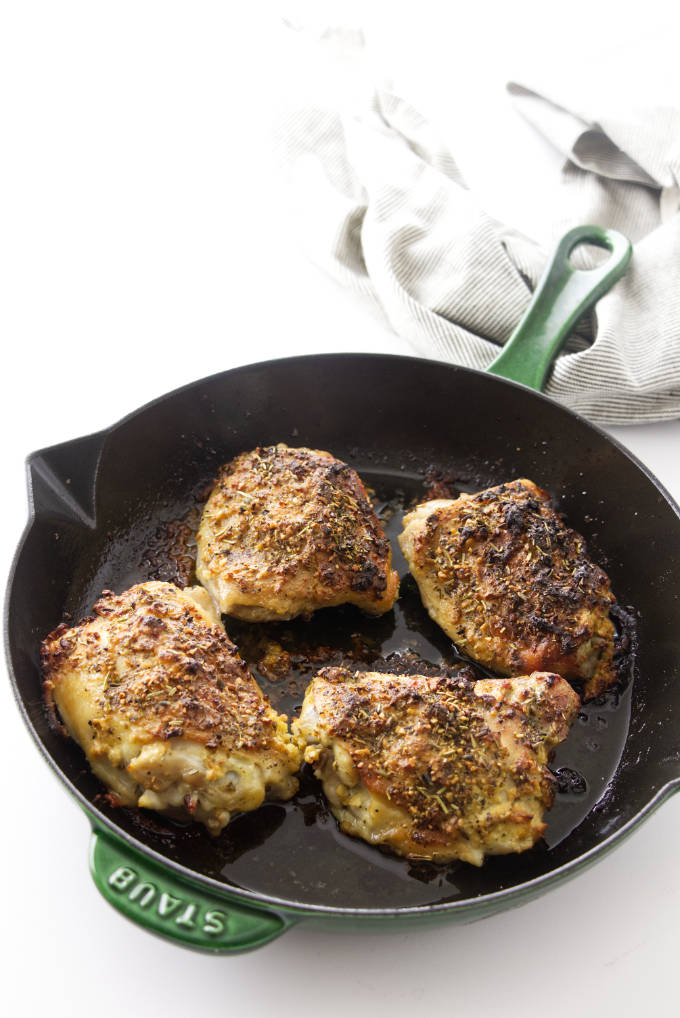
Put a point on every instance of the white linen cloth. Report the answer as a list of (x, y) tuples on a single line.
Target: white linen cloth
[(381, 204)]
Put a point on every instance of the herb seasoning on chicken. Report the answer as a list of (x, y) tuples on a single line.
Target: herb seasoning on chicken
[(437, 768), (286, 531), (512, 585), (167, 713)]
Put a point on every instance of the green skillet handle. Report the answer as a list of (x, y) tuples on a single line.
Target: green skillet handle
[(154, 897), (562, 296)]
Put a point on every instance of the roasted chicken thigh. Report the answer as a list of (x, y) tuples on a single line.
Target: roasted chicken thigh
[(167, 713), (286, 531), (437, 768), (513, 586)]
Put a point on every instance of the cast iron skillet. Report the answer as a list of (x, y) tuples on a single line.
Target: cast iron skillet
[(102, 512)]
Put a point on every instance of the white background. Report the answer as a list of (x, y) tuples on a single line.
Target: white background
[(143, 245)]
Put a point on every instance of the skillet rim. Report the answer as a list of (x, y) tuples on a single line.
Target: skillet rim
[(483, 903)]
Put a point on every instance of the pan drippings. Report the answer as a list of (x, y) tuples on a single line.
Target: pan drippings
[(298, 843)]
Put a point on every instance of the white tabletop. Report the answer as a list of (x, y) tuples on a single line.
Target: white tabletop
[(133, 174)]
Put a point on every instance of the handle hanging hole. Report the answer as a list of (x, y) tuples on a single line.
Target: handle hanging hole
[(585, 256)]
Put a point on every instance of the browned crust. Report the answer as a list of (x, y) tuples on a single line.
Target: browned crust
[(166, 669), (521, 593), (298, 513), (424, 744)]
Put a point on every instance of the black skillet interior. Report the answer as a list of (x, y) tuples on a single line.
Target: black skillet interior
[(411, 428)]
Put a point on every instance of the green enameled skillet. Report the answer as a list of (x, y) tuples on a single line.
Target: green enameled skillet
[(101, 510)]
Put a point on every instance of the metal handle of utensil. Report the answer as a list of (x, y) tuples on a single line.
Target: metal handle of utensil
[(563, 294), (154, 897)]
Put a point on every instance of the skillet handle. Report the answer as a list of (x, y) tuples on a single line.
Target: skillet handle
[(561, 297), (156, 898)]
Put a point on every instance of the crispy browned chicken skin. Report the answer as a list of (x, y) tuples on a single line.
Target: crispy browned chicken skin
[(167, 713), (286, 531), (437, 768), (512, 585)]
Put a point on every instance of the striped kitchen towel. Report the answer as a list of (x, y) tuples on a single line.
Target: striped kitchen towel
[(381, 204)]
